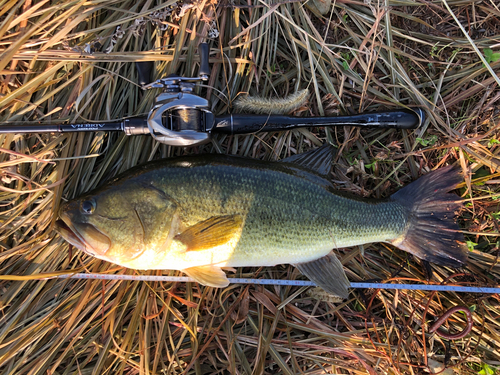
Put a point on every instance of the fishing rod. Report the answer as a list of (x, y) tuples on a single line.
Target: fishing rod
[(179, 117)]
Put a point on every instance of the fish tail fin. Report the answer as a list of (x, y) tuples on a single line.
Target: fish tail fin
[(432, 233)]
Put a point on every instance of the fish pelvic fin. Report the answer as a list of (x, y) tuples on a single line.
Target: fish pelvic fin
[(432, 233), (328, 273), (208, 275)]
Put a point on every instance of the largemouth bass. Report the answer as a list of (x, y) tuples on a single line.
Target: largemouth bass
[(199, 214)]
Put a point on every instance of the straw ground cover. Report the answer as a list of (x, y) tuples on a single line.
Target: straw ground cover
[(73, 61)]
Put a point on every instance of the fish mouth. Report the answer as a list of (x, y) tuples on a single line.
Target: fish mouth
[(74, 236), (70, 235)]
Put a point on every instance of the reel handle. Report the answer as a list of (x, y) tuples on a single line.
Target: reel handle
[(204, 71), (144, 69)]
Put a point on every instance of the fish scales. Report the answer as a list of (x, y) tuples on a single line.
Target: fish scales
[(287, 214)]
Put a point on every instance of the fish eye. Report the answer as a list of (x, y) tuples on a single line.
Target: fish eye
[(87, 207)]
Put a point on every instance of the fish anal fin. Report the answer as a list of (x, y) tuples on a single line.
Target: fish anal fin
[(210, 233), (328, 273), (208, 275), (319, 160)]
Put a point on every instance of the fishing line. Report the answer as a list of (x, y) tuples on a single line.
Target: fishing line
[(427, 287)]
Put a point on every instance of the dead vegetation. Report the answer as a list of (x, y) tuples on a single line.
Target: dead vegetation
[(73, 61)]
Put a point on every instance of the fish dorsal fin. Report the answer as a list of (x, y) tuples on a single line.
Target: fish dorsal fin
[(208, 275), (319, 160), (328, 273), (207, 234)]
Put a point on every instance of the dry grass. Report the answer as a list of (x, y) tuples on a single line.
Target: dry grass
[(65, 61)]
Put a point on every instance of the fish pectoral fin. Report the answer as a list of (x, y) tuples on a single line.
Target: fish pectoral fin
[(216, 231), (208, 275), (328, 273)]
